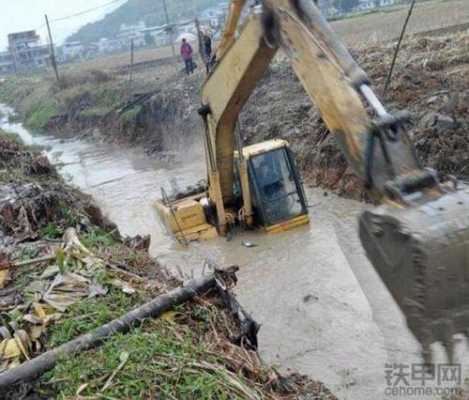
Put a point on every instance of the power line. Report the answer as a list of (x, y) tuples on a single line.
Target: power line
[(80, 13)]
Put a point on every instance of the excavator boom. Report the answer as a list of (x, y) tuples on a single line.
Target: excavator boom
[(418, 240)]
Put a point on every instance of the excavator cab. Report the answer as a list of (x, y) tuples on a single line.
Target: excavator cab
[(417, 240), (277, 194)]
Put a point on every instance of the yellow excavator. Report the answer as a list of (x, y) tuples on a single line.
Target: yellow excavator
[(417, 239)]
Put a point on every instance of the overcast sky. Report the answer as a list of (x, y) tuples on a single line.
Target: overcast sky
[(19, 15)]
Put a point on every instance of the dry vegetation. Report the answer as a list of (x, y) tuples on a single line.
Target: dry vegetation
[(428, 66), (55, 287), (431, 76), (120, 60), (430, 81), (357, 31), (385, 25)]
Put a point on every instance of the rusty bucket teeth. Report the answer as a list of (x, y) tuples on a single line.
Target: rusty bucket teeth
[(422, 255)]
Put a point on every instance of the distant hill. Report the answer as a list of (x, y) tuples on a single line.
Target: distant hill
[(133, 11)]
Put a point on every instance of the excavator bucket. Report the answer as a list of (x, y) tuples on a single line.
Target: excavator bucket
[(422, 255)]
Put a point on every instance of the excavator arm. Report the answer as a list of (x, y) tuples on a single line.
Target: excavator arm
[(418, 240)]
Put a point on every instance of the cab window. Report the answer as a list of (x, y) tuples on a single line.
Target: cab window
[(276, 187)]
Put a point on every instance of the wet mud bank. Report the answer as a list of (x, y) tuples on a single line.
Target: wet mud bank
[(103, 107), (51, 225), (430, 81), (322, 309), (160, 114)]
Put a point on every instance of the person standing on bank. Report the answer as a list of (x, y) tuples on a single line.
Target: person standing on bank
[(186, 54), (207, 48)]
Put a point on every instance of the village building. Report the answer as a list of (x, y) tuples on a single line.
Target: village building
[(128, 33), (26, 50), (6, 63), (72, 50)]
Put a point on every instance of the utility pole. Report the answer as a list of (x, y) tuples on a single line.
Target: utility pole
[(171, 36), (398, 47), (199, 32), (194, 7), (131, 68), (200, 40), (52, 51)]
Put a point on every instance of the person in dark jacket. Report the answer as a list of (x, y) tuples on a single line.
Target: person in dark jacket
[(186, 54), (207, 43)]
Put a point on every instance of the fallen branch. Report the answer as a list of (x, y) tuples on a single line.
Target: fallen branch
[(33, 261), (37, 366), (117, 268), (27, 262)]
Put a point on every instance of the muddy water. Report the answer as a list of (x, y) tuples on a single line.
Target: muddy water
[(323, 310)]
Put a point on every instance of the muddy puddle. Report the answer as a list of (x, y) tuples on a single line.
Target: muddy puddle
[(323, 310)]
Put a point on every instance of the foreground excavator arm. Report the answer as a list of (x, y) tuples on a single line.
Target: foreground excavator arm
[(418, 241)]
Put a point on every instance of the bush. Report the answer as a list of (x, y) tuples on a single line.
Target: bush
[(68, 81), (130, 116), (40, 114)]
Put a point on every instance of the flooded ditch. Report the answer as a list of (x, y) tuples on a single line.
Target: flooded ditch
[(323, 310)]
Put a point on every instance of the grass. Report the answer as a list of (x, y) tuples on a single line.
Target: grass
[(51, 231), (95, 112), (166, 360), (39, 115), (68, 218), (98, 237), (10, 137), (86, 97), (130, 116), (178, 356), (89, 314)]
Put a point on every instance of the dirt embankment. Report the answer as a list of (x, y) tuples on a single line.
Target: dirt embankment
[(34, 200), (431, 81), (65, 271), (157, 110)]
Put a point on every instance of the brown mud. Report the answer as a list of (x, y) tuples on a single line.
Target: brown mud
[(33, 196), (36, 208), (430, 81)]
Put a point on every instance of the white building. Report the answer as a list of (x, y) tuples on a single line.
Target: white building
[(127, 33), (106, 45), (186, 27), (132, 28), (6, 63), (370, 4), (72, 50), (159, 34)]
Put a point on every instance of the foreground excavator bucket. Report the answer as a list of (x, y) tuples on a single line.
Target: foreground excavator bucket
[(419, 241), (422, 255)]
